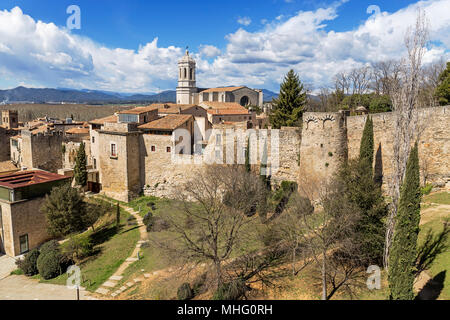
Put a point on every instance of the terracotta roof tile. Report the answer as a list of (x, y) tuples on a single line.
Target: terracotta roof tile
[(7, 166), (138, 110), (102, 121), (223, 89), (169, 122), (78, 131)]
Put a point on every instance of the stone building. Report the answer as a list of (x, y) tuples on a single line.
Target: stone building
[(22, 225), (219, 112), (188, 93), (38, 150), (10, 119)]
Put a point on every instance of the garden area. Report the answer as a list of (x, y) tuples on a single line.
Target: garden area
[(98, 251)]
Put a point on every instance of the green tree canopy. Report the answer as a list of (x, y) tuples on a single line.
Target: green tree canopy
[(288, 107), (80, 170), (404, 245), (443, 90), (66, 211)]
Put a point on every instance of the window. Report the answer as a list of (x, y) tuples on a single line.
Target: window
[(95, 163), (169, 149), (113, 150), (93, 139), (153, 148), (23, 244), (190, 74)]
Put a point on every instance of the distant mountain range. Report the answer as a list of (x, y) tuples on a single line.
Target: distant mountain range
[(59, 95)]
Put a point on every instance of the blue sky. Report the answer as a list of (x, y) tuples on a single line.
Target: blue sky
[(133, 45)]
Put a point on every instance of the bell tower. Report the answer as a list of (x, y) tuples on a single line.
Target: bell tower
[(186, 80)]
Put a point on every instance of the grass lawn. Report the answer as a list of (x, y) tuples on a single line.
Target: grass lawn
[(439, 197), (111, 250)]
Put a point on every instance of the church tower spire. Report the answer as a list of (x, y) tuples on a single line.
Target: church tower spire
[(186, 79)]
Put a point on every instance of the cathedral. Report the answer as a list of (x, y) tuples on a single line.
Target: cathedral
[(188, 93)]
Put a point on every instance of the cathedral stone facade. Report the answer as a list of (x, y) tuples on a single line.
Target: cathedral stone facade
[(188, 93)]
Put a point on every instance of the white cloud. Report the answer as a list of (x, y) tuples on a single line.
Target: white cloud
[(209, 51), (245, 21), (44, 54)]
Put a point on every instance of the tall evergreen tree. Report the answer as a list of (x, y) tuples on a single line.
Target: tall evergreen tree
[(248, 166), (80, 170), (443, 90), (366, 194), (366, 149), (404, 245), (288, 107)]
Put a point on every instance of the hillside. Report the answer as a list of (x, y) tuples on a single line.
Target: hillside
[(48, 95)]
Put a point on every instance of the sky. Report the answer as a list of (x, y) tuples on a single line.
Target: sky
[(133, 46)]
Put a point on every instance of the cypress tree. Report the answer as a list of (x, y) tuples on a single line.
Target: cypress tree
[(248, 167), (404, 245), (80, 170), (118, 215), (366, 149), (288, 107), (363, 191)]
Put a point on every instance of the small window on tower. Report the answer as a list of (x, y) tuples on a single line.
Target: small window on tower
[(113, 150), (190, 73)]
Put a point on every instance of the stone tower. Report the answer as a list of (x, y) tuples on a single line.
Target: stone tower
[(186, 80), (323, 148), (10, 119)]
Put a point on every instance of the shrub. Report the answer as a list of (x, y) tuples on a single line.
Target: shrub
[(185, 292), (28, 263), (198, 286), (158, 224), (233, 290), (427, 189), (51, 245), (79, 247), (48, 264), (147, 218)]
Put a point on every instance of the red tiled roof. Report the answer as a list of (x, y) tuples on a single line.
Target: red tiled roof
[(102, 121), (26, 178), (139, 110), (78, 131), (169, 122), (224, 89)]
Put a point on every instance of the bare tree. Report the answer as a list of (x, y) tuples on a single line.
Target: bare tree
[(327, 235), (404, 93), (360, 79), (429, 82), (208, 224), (383, 73), (342, 82)]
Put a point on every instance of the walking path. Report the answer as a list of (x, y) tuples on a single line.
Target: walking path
[(7, 265), (107, 287), (24, 288)]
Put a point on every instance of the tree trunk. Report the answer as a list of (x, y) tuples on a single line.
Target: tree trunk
[(324, 278)]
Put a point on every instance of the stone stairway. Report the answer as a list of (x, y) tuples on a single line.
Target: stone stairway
[(107, 287)]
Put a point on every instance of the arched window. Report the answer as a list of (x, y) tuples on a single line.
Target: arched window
[(244, 101), (185, 73), (190, 73)]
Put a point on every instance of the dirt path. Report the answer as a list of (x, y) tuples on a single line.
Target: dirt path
[(106, 289)]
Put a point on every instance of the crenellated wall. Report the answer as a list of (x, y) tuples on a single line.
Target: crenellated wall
[(323, 146), (434, 142)]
